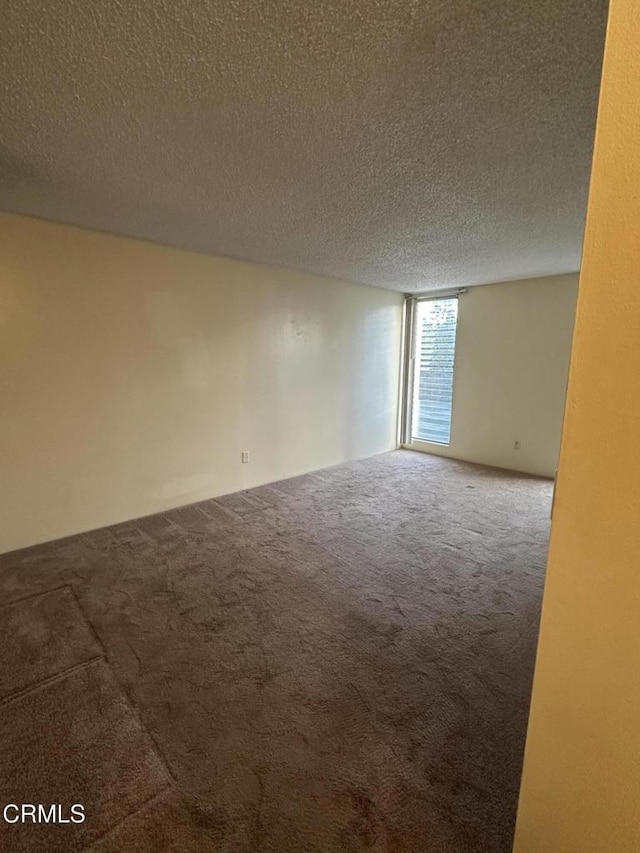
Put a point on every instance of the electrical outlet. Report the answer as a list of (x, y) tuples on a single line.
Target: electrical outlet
[(516, 445), (245, 457)]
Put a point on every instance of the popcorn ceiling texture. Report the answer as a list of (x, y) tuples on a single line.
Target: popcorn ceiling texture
[(403, 144)]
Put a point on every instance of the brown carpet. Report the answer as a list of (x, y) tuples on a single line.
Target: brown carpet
[(338, 662), (75, 740), (40, 637)]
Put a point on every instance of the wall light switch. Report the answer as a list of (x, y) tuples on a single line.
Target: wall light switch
[(245, 457)]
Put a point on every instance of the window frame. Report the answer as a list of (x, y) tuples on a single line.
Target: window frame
[(409, 359)]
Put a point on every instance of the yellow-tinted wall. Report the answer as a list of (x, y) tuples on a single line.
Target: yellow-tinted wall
[(132, 376), (512, 358), (581, 784)]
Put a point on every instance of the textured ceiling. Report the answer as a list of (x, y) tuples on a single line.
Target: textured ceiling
[(402, 143)]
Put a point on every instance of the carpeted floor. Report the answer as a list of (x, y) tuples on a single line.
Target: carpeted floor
[(338, 662)]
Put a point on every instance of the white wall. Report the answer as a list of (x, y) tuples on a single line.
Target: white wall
[(512, 359), (133, 375)]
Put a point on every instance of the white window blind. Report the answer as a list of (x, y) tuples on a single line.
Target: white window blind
[(435, 341)]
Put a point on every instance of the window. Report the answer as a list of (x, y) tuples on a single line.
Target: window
[(434, 337)]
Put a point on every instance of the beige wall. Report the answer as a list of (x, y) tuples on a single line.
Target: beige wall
[(581, 783), (132, 377), (512, 358)]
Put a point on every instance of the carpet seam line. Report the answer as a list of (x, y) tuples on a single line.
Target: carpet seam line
[(52, 679)]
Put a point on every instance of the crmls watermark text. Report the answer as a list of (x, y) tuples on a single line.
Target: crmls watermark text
[(40, 813)]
